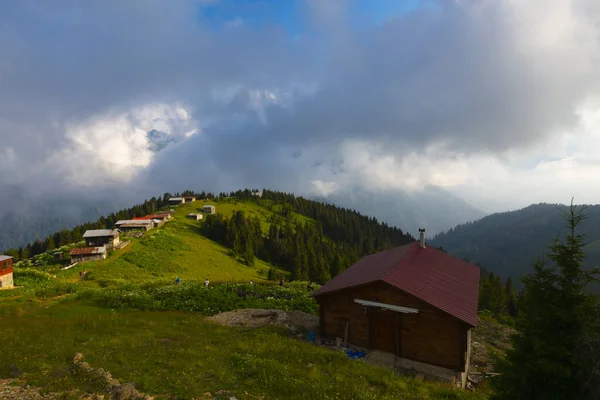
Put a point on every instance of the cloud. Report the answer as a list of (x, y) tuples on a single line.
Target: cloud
[(112, 148), (480, 98)]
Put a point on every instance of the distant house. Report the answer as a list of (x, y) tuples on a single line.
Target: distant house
[(82, 254), (209, 209), (194, 216), (102, 237), (257, 194), (164, 214), (158, 220), (415, 302), (131, 225), (6, 272), (162, 217), (189, 199), (176, 200)]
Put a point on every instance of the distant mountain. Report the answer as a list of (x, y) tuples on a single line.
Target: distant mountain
[(27, 222), (434, 209), (506, 243)]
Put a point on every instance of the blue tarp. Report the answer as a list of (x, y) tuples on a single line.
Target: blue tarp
[(355, 354)]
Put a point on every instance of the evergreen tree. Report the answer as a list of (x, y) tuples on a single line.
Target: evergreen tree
[(548, 360), (511, 298)]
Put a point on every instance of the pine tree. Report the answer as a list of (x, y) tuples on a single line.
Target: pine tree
[(547, 360), (511, 298)]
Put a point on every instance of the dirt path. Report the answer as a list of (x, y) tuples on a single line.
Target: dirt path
[(254, 317)]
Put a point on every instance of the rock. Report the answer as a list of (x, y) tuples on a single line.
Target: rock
[(125, 392), (78, 358)]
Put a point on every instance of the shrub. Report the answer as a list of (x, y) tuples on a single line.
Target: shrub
[(194, 296), (22, 276)]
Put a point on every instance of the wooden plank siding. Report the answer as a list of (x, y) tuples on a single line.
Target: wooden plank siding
[(431, 336)]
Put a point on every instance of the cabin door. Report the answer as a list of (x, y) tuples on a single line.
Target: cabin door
[(383, 330)]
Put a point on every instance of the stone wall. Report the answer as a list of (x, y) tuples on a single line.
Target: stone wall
[(6, 281)]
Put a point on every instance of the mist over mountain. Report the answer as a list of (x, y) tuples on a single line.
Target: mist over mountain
[(434, 208)]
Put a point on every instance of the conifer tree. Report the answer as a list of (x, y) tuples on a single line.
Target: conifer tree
[(548, 359), (511, 298)]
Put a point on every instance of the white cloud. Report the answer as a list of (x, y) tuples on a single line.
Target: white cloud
[(567, 165), (113, 147), (477, 97)]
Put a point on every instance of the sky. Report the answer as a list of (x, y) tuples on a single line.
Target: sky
[(495, 101)]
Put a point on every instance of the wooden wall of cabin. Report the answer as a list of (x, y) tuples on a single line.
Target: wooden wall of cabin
[(431, 336)]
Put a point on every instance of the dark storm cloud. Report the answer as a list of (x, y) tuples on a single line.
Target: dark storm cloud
[(472, 73)]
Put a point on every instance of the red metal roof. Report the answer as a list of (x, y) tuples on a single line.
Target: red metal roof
[(445, 282), (80, 251), (153, 216)]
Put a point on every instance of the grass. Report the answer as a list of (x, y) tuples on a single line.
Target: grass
[(129, 318), (177, 249), (181, 354)]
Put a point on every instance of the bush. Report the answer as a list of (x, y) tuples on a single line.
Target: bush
[(23, 276), (194, 296)]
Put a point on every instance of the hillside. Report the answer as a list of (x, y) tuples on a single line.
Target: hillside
[(506, 243), (126, 315), (179, 250), (30, 218), (434, 208)]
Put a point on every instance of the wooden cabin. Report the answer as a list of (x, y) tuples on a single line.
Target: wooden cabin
[(82, 254), (189, 199), (6, 272), (176, 201), (134, 225), (194, 216), (413, 301), (108, 238), (209, 209), (158, 220)]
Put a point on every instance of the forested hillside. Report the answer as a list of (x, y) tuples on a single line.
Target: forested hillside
[(506, 243), (332, 240), (326, 242)]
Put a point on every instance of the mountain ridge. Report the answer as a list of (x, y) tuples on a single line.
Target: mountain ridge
[(506, 243)]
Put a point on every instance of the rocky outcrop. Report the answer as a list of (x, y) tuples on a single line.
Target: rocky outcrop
[(114, 389)]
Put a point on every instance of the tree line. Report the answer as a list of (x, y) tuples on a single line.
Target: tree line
[(302, 249), (556, 352), (74, 235), (340, 237), (500, 299)]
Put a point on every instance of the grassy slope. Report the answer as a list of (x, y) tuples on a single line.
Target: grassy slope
[(181, 354), (178, 352), (178, 249)]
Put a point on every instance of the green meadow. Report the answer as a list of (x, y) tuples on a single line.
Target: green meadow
[(179, 355), (130, 318)]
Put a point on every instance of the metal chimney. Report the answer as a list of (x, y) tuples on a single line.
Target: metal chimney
[(422, 237)]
